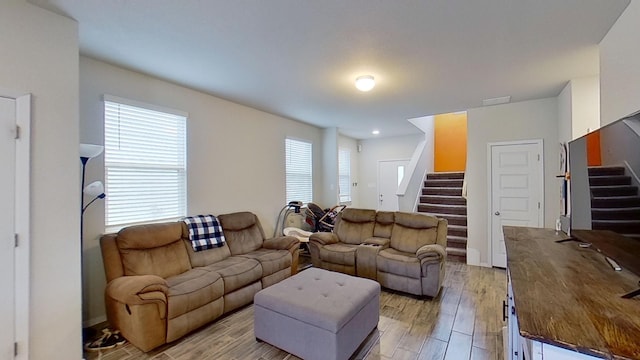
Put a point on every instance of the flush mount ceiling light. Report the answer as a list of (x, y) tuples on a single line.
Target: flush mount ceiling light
[(375, 132), (365, 82)]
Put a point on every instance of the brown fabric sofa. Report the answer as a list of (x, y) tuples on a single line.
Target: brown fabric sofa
[(402, 251), (159, 289)]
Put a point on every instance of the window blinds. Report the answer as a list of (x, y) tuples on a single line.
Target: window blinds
[(344, 174), (145, 164), (299, 174)]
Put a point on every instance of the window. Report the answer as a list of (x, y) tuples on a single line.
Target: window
[(299, 174), (344, 174), (145, 163)]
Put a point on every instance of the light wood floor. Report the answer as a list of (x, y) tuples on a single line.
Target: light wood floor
[(463, 323)]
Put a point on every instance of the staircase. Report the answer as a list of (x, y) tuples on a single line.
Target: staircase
[(442, 197), (615, 204)]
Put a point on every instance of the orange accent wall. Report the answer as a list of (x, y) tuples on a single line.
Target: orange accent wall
[(450, 142), (594, 157)]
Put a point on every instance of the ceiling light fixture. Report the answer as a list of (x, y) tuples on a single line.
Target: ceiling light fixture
[(375, 132), (365, 82)]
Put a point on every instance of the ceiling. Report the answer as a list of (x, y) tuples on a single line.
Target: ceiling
[(299, 59)]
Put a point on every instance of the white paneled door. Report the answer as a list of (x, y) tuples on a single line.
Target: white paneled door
[(516, 186), (390, 174), (7, 230)]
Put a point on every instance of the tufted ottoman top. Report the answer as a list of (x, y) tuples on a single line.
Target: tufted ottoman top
[(322, 298)]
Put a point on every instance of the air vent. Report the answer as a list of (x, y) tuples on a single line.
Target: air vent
[(496, 101)]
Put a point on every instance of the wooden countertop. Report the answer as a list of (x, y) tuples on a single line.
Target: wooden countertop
[(569, 296)]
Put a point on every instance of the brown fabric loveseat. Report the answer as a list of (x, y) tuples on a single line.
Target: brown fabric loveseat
[(402, 251), (159, 289)]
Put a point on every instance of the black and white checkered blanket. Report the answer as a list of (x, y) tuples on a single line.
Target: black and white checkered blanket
[(205, 232)]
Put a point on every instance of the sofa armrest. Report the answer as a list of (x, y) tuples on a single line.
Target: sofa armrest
[(138, 290), (323, 238), (281, 243), (431, 252), (378, 241)]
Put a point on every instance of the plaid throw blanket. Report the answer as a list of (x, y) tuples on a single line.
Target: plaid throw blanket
[(205, 232)]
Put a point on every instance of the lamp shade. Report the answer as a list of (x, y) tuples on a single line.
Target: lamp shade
[(89, 151), (96, 188)]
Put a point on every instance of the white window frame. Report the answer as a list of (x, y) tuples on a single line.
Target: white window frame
[(155, 189), (344, 175), (298, 170)]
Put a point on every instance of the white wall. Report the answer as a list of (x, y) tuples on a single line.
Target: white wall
[(40, 56), (579, 108), (564, 114), (352, 145), (585, 105), (619, 69), (374, 150), (536, 119), (329, 175), (235, 155)]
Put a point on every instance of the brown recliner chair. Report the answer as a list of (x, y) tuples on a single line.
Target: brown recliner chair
[(337, 250), (402, 251), (415, 259)]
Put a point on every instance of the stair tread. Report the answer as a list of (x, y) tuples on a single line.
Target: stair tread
[(457, 238), (445, 205), (625, 208), (617, 197), (443, 197), (617, 221), (456, 251), (609, 176)]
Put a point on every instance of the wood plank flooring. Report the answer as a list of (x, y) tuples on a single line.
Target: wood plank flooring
[(463, 323)]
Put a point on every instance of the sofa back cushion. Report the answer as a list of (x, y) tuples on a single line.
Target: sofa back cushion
[(353, 226), (243, 232), (412, 231), (154, 249), (384, 224), (203, 257)]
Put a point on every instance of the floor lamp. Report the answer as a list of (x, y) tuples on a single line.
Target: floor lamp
[(95, 190)]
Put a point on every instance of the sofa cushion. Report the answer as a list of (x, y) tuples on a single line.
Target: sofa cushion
[(353, 226), (206, 257), (271, 261), (243, 232), (384, 224), (412, 231), (149, 236), (153, 249), (399, 263), (343, 254), (236, 271), (193, 289)]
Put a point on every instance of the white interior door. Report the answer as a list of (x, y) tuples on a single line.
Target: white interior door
[(516, 191), (390, 174), (7, 214)]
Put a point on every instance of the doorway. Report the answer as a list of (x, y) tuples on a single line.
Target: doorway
[(7, 226), (15, 158), (516, 188), (390, 174)]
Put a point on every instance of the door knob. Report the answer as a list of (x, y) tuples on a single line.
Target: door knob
[(497, 212)]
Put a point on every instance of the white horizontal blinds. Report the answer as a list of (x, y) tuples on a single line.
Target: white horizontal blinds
[(145, 164), (299, 174), (344, 174)]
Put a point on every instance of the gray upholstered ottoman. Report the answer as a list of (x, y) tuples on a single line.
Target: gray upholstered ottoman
[(317, 314)]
